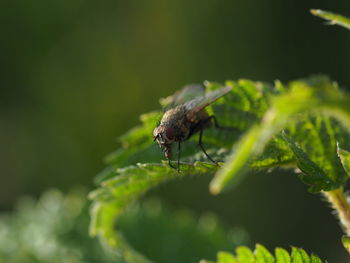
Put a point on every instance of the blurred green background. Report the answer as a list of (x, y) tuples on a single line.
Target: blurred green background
[(75, 74)]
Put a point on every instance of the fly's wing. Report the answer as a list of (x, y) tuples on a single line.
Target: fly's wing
[(196, 105), (182, 96)]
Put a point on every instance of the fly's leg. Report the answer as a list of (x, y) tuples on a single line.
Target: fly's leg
[(178, 158), (202, 125), (216, 124), (201, 145), (169, 162)]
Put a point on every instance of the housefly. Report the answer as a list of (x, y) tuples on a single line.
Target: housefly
[(185, 116)]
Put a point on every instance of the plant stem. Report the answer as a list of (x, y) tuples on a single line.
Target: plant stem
[(338, 200)]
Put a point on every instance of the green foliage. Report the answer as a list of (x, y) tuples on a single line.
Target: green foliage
[(344, 158), (325, 172), (119, 186), (176, 236), (300, 125), (333, 19), (128, 184), (52, 229), (313, 112), (262, 255), (317, 97)]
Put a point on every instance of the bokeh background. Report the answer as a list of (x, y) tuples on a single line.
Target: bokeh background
[(75, 74)]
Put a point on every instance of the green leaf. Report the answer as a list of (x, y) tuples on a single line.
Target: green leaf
[(137, 146), (313, 112), (313, 174), (290, 111), (346, 243), (315, 259), (344, 158), (314, 146), (299, 256), (282, 256), (262, 255), (240, 109), (140, 223), (333, 19), (244, 254), (225, 257), (127, 185)]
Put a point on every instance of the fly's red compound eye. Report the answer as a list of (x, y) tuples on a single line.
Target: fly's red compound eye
[(170, 133)]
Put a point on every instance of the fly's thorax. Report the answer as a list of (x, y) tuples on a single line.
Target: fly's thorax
[(174, 115), (176, 119)]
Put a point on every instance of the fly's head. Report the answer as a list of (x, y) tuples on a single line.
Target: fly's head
[(165, 136)]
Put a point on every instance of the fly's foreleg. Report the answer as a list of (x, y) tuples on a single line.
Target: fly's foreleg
[(178, 158)]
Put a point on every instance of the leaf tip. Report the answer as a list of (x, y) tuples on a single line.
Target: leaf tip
[(315, 12), (346, 242), (214, 188)]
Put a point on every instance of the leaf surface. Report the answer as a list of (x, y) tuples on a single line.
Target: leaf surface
[(332, 18), (262, 255)]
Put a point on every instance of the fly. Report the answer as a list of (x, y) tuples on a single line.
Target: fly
[(185, 118)]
